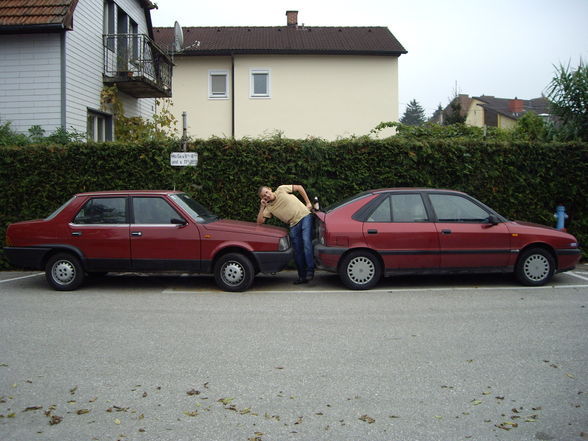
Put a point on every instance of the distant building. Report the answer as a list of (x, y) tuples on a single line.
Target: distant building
[(490, 111), (297, 80)]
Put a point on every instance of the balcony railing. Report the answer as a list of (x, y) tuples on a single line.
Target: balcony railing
[(137, 66)]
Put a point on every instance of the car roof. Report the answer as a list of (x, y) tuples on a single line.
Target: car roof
[(400, 189), (128, 192)]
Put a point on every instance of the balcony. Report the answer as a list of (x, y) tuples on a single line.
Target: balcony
[(137, 66)]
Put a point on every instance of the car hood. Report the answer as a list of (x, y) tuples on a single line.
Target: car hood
[(521, 226), (236, 226)]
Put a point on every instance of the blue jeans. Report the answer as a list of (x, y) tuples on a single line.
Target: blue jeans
[(301, 236)]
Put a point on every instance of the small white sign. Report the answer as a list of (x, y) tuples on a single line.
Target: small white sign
[(184, 159)]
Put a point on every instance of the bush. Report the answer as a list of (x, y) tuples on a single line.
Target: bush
[(520, 180)]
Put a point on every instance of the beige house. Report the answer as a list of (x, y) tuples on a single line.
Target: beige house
[(296, 80), (490, 111)]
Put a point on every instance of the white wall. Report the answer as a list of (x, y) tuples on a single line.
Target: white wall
[(30, 81), (320, 96)]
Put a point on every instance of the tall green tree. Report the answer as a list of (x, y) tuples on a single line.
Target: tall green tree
[(414, 115), (568, 92)]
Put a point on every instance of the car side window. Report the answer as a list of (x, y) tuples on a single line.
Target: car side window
[(454, 208), (150, 210), (408, 208), (382, 213), (103, 211)]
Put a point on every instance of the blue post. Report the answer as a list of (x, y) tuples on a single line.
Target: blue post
[(561, 216)]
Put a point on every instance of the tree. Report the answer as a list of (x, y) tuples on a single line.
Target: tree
[(414, 115), (568, 92)]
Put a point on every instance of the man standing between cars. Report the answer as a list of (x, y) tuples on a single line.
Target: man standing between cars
[(284, 205)]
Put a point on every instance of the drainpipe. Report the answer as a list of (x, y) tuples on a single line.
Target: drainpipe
[(63, 85), (232, 96)]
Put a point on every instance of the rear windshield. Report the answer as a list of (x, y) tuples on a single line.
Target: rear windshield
[(56, 212), (347, 201)]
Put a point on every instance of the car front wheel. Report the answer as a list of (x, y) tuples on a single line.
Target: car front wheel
[(234, 272), (360, 270), (64, 272), (535, 267)]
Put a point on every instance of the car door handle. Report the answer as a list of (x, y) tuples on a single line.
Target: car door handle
[(372, 231), (445, 231), (76, 233), (136, 233)]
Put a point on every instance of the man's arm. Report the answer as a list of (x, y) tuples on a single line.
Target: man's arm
[(260, 216), (300, 189)]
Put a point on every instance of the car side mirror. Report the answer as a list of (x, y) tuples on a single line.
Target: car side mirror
[(179, 222), (493, 220)]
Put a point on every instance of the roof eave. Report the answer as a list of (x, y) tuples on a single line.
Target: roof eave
[(33, 29), (225, 52)]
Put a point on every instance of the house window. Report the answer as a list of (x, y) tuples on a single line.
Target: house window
[(99, 126), (260, 83), (218, 84), (134, 30), (109, 9)]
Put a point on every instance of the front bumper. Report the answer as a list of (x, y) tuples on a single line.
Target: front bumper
[(273, 261)]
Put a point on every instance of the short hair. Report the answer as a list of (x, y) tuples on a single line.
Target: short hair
[(260, 189)]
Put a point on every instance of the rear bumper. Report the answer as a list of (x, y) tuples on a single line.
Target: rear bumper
[(273, 261), (26, 257), (327, 258)]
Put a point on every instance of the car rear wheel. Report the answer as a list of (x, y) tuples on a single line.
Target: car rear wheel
[(234, 272), (64, 272), (535, 267), (360, 270)]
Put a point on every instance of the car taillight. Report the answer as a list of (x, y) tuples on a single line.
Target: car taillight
[(321, 233), (284, 243)]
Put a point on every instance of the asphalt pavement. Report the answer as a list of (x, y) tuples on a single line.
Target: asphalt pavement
[(130, 357)]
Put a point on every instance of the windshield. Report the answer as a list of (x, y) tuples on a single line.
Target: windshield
[(56, 212), (196, 210)]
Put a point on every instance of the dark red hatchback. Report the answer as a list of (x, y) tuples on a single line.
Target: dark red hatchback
[(406, 231), (145, 231)]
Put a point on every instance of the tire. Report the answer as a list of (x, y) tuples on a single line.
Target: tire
[(535, 267), (360, 270), (64, 272), (234, 272)]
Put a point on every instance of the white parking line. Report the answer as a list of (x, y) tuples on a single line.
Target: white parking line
[(575, 274), (22, 277), (376, 291)]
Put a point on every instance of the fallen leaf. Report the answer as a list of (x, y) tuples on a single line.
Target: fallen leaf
[(225, 401), (191, 414), (83, 411), (476, 402), (32, 408), (73, 390), (193, 392), (572, 376), (55, 420), (367, 419), (116, 421)]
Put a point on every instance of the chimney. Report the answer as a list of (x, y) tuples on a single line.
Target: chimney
[(515, 106), (292, 18)]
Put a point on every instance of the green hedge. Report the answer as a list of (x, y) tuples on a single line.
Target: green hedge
[(519, 180)]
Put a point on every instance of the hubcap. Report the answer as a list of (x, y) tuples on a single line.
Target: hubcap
[(361, 270), (233, 273), (536, 267), (63, 272)]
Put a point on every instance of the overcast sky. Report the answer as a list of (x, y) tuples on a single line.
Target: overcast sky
[(504, 48)]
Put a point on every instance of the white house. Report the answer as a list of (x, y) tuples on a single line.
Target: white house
[(56, 56), (301, 81)]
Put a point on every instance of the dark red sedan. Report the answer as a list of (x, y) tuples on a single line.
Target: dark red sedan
[(407, 231), (146, 231)]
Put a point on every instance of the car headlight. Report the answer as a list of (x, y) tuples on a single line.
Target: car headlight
[(284, 243)]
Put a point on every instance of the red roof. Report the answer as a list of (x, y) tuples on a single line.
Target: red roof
[(41, 14), (282, 40)]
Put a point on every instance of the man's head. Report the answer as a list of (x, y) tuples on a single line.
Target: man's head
[(266, 194)]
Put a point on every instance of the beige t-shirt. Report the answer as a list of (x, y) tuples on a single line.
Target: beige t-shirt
[(286, 207)]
